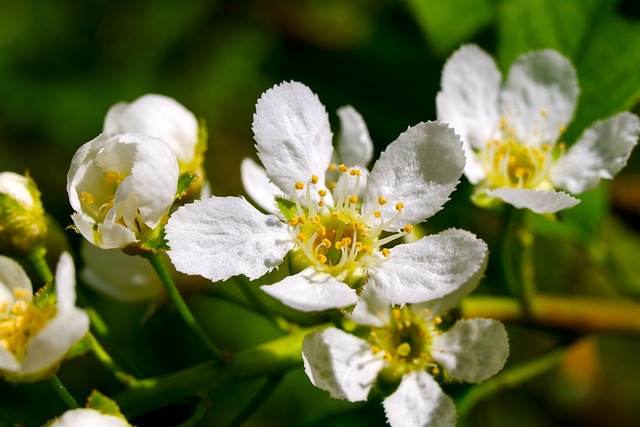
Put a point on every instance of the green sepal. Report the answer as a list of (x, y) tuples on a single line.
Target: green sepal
[(153, 241), (78, 349), (482, 200), (185, 181), (46, 296), (104, 405), (287, 207)]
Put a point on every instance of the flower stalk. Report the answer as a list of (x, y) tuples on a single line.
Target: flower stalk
[(62, 391)]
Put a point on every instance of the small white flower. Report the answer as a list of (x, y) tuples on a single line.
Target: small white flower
[(88, 417), (118, 275), (334, 233), (511, 130), (34, 338), (120, 187), (160, 117), (405, 346)]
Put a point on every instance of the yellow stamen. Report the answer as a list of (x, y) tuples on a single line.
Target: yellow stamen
[(298, 185), (399, 206), (408, 228), (314, 179), (87, 197), (301, 237), (343, 168), (377, 214), (355, 172), (111, 178), (385, 252), (353, 199), (322, 193), (382, 201)]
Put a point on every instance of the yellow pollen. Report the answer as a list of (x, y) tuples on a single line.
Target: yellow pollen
[(303, 220), (87, 197), (562, 128), (338, 245), (437, 320), (367, 249), (322, 230), (377, 214), (503, 122), (408, 228), (111, 178), (336, 215), (520, 172), (353, 199), (435, 370), (321, 203), (512, 160), (404, 349), (301, 237), (332, 167), (21, 293), (327, 243), (314, 179), (385, 252), (543, 112), (387, 356), (346, 241), (298, 185), (314, 220), (399, 206), (382, 201), (375, 349), (396, 313), (322, 193), (355, 172), (343, 168), (546, 147), (322, 259), (294, 221)]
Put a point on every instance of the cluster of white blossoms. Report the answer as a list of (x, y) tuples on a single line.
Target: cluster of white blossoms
[(511, 130), (337, 234), (36, 335)]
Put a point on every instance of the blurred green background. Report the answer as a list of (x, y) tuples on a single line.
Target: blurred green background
[(64, 63)]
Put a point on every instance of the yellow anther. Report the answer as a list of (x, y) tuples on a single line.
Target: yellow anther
[(346, 241), (503, 122), (301, 237), (562, 128), (399, 206), (294, 221), (404, 349), (338, 245), (435, 370), (353, 199), (546, 147), (385, 252), (359, 246), (322, 193), (332, 167), (408, 228), (322, 259), (21, 293), (437, 320), (387, 356), (321, 229), (314, 220), (396, 313), (327, 243), (303, 219), (520, 172), (512, 160), (314, 179), (121, 178), (87, 197), (355, 172), (111, 178), (343, 168), (336, 215), (382, 201), (377, 214), (400, 326), (321, 203), (543, 112), (298, 185), (375, 349), (366, 248)]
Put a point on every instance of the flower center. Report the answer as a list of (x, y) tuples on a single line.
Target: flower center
[(99, 203), (405, 342), (510, 164), (340, 240), (21, 321)]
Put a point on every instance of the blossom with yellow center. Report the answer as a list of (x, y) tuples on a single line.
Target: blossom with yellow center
[(337, 236), (34, 338), (408, 350), (120, 187), (512, 130)]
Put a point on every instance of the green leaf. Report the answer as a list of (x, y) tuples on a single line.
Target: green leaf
[(185, 181), (287, 207), (446, 24), (103, 404)]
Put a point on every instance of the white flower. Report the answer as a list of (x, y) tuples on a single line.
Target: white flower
[(88, 417), (34, 338), (160, 117), (406, 347), (118, 275), (120, 187), (334, 234), (23, 227), (511, 130)]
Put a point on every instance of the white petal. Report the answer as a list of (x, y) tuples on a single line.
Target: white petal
[(291, 128), (257, 185), (443, 304), (538, 201), (82, 163), (88, 417), (8, 361), (311, 290), (341, 364), (65, 283), (601, 152), (16, 186), (472, 350), (54, 340), (473, 169), (110, 235), (372, 309), (420, 169), (430, 268), (119, 276), (539, 96), (354, 144), (12, 277), (419, 402), (160, 117), (155, 179), (222, 237), (468, 100)]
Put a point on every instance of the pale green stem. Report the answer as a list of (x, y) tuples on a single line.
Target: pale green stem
[(507, 231), (257, 400), (508, 378), (107, 361), (174, 295), (197, 414), (577, 313), (268, 359), (62, 391), (249, 292), (38, 261), (527, 269)]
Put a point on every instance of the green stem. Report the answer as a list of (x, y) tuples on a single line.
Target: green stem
[(107, 361), (39, 263), (507, 232), (508, 378), (62, 391), (527, 269), (576, 313), (260, 397), (258, 304), (157, 262), (197, 414), (268, 359)]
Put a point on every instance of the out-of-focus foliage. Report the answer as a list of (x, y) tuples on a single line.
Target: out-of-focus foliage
[(64, 63)]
